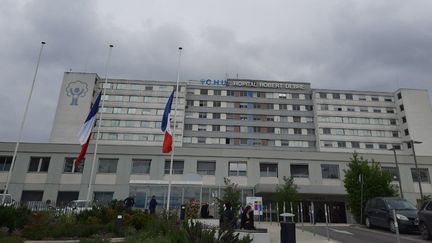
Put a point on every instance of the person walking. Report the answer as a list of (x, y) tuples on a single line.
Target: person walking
[(129, 202), (152, 205), (247, 219)]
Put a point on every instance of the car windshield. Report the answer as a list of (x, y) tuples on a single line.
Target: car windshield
[(400, 204)]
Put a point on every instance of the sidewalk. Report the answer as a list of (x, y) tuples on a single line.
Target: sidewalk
[(301, 236)]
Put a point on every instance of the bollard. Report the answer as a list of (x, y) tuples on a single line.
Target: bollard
[(288, 230), (119, 223), (182, 212)]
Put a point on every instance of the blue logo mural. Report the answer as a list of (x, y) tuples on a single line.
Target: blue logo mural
[(75, 90)]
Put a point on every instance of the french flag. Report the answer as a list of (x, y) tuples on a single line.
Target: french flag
[(84, 134), (165, 127)]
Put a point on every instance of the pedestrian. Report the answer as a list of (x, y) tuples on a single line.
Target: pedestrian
[(152, 205), (247, 219), (228, 216), (205, 213), (129, 202)]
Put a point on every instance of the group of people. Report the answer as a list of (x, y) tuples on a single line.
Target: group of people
[(129, 202), (246, 216)]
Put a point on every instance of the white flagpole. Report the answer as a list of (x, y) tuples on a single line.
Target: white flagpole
[(99, 125), (8, 177), (174, 130)]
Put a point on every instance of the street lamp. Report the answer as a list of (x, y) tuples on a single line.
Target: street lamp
[(397, 169), (412, 142)]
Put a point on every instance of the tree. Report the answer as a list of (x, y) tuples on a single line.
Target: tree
[(286, 193), (376, 183)]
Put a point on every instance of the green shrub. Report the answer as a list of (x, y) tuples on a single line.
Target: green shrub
[(14, 218)]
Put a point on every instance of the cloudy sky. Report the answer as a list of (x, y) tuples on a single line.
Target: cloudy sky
[(368, 45)]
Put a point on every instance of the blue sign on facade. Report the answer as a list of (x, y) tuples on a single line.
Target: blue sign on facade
[(214, 82)]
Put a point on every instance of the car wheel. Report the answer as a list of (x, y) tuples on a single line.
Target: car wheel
[(368, 223), (392, 226), (425, 234)]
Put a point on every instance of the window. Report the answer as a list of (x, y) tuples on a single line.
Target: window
[(103, 197), (375, 98), (355, 145), (107, 165), (5, 163), (330, 171), (406, 132), (230, 92), (424, 174), (216, 115), (401, 107), (328, 144), (323, 95), (216, 104), (363, 109), (215, 128), (399, 95), (297, 131), (217, 92), (341, 144), (202, 115), (409, 145), (70, 166), (392, 121), (202, 103), (388, 99), (190, 103), (299, 171), (396, 146), (377, 110), (296, 107), (393, 172), (296, 119), (39, 164), (404, 120), (390, 110), (369, 146), (204, 92), (336, 96), (28, 196), (141, 166), (382, 146), (201, 140), (348, 96), (188, 127), (64, 197), (283, 107), (178, 166), (362, 98), (206, 167), (326, 131), (237, 169), (295, 96), (395, 134), (324, 107), (268, 170), (350, 109)]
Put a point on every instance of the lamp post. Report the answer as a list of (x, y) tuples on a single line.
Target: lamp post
[(397, 169), (412, 142)]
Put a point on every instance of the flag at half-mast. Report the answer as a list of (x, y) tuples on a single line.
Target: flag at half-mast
[(165, 127), (86, 129)]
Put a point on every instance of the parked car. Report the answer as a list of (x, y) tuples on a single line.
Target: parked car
[(77, 206), (379, 212), (425, 221)]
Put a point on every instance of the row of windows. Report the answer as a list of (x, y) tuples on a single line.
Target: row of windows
[(133, 111), (235, 168), (64, 197), (244, 117), (253, 94), (250, 105), (357, 120), (137, 99), (140, 87), (131, 137), (338, 96), (249, 129), (132, 123), (358, 132), (359, 145), (326, 107), (250, 142)]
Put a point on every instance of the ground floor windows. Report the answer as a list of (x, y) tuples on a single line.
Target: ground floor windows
[(64, 197)]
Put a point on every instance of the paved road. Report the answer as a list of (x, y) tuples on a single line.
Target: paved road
[(359, 234)]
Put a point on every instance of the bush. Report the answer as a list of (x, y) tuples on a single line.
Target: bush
[(14, 218)]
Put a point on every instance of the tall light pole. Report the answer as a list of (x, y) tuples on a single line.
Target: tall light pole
[(397, 169), (412, 142)]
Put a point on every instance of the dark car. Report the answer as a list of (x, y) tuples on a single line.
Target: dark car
[(425, 221), (379, 212)]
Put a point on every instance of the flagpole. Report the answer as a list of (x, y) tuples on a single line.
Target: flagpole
[(8, 177), (99, 125), (174, 130)]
